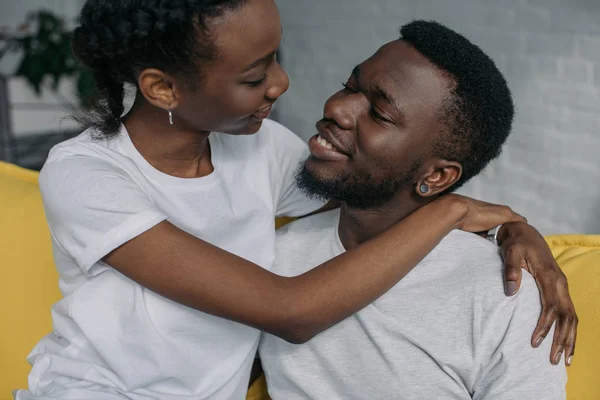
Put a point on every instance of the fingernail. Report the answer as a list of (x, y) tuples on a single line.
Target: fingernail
[(558, 357), (569, 360), (510, 288), (538, 342)]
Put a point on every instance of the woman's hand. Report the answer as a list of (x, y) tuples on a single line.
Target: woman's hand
[(479, 216), (523, 247)]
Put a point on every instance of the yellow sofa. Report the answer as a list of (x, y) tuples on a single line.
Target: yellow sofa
[(30, 288)]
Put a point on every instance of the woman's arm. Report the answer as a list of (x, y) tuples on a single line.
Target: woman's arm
[(190, 271)]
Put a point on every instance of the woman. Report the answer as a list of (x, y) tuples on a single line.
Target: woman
[(163, 232)]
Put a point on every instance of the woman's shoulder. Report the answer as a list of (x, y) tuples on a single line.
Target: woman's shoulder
[(82, 157), (89, 148)]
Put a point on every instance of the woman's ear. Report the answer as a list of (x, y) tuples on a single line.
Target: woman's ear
[(158, 89), (439, 177)]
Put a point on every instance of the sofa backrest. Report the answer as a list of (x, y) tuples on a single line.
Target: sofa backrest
[(29, 278)]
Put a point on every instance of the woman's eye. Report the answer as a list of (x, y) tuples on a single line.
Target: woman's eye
[(258, 82)]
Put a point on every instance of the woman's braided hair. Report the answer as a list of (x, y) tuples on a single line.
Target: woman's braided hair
[(116, 38)]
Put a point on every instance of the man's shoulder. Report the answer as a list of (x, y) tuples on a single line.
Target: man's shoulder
[(308, 229), (467, 242), (469, 261), (306, 243), (467, 252), (480, 265)]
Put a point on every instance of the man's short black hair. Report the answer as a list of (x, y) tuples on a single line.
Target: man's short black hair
[(479, 111)]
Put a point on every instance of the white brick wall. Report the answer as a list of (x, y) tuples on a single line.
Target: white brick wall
[(549, 51)]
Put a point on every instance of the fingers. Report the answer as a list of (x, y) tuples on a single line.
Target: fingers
[(514, 262), (547, 318), (568, 317), (549, 299), (557, 307), (563, 325), (570, 343), (515, 259), (512, 279), (565, 333)]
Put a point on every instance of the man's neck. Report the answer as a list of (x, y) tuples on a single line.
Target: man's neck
[(357, 225)]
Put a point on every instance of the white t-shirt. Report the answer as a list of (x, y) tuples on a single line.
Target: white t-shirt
[(114, 339), (445, 331)]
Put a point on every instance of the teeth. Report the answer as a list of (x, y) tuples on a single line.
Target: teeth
[(323, 142)]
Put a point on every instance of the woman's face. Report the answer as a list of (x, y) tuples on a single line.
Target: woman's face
[(239, 87)]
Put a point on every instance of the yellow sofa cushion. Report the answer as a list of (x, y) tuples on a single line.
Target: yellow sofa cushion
[(30, 281), (579, 258), (258, 390)]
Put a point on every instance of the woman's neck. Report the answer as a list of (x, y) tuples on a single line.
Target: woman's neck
[(169, 148)]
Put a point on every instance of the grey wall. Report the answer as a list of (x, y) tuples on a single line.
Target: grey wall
[(549, 51)]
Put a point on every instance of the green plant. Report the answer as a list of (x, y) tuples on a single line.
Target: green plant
[(47, 52)]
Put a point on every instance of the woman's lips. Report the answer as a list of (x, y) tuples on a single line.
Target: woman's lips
[(263, 112)]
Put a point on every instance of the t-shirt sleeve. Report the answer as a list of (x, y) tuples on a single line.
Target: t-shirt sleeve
[(93, 207), (514, 369), (287, 151)]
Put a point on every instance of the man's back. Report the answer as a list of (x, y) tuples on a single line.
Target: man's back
[(446, 331)]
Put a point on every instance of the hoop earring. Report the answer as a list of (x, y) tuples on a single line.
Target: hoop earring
[(424, 189), (170, 117)]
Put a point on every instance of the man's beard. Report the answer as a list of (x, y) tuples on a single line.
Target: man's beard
[(359, 190)]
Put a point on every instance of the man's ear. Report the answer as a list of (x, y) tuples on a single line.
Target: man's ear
[(439, 176), (158, 88)]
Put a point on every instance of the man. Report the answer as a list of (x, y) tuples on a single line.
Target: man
[(415, 121)]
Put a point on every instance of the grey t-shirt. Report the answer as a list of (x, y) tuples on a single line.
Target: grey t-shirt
[(445, 331)]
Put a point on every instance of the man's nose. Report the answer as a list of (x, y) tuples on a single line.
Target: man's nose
[(343, 110)]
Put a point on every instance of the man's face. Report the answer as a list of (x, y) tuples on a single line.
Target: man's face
[(378, 131)]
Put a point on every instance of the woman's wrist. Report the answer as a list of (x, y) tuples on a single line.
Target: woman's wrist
[(452, 207)]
